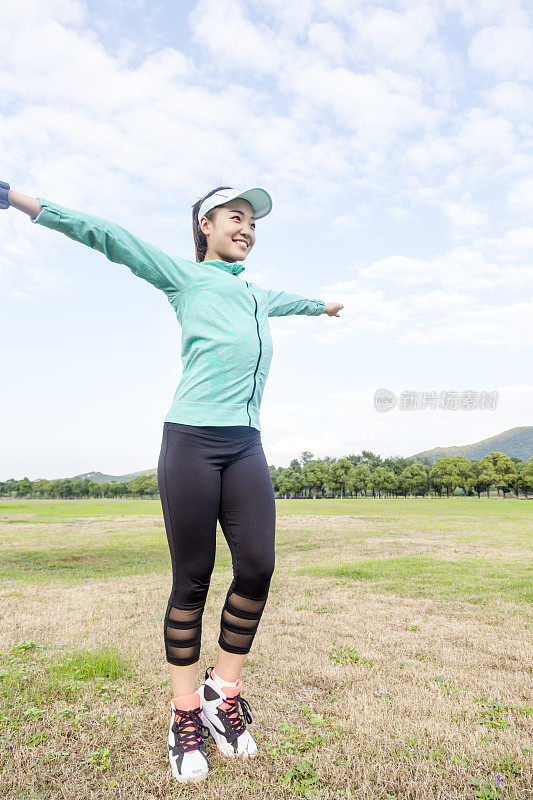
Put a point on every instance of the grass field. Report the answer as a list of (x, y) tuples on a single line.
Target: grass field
[(393, 659)]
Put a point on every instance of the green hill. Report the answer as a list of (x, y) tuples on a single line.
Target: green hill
[(516, 442), (100, 477)]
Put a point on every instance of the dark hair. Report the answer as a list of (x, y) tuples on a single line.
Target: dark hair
[(200, 242)]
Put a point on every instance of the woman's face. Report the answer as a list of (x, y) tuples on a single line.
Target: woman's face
[(231, 235)]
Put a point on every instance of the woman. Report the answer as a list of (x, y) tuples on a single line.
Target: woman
[(212, 465)]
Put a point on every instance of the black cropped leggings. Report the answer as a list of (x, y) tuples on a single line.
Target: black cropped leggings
[(207, 474)]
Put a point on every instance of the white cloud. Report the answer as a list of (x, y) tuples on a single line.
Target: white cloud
[(223, 29), (511, 99), (291, 16), (514, 246), (444, 314), (440, 301), (328, 38), (24, 268), (460, 267), (463, 215), (33, 13), (488, 326), (483, 13), (521, 196), (506, 52), (404, 38)]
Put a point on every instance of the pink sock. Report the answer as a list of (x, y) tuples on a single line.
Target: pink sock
[(186, 702)]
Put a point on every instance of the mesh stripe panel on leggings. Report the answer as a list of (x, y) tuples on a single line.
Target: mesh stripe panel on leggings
[(238, 622), (183, 633)]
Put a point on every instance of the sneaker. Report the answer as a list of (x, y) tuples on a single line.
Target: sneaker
[(186, 747), (221, 714)]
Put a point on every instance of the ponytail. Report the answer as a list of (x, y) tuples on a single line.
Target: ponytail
[(200, 241)]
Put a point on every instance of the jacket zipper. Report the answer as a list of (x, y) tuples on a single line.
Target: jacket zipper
[(258, 358)]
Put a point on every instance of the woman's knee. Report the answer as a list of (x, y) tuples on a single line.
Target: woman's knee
[(188, 591), (253, 579)]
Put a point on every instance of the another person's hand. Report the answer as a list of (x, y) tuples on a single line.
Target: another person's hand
[(331, 309), (4, 192)]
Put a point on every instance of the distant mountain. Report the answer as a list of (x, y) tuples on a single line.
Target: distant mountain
[(516, 442), (99, 477)]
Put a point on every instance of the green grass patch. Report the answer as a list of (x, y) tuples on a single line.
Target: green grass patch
[(31, 677), (104, 663), (473, 580), (49, 510), (392, 508)]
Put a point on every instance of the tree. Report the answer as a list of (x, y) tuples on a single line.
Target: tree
[(144, 485), (66, 488), (497, 468), (342, 474), (291, 482), (77, 487), (42, 488), (356, 460), (373, 460), (526, 477), (305, 457), (105, 487), (383, 479), (474, 481), (24, 488), (275, 473), (415, 476), (451, 472), (316, 475), (397, 464), (362, 479)]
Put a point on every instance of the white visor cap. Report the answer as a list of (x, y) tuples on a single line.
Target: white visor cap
[(259, 199)]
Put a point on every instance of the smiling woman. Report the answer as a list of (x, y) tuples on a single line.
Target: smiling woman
[(212, 217), (212, 465)]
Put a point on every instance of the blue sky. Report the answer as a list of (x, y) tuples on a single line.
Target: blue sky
[(395, 140)]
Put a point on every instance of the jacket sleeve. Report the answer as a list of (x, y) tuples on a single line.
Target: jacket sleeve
[(171, 274), (281, 304)]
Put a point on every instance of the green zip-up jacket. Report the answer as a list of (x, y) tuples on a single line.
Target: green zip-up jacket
[(226, 346)]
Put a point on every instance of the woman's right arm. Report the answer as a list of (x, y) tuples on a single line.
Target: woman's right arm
[(171, 274), (30, 205)]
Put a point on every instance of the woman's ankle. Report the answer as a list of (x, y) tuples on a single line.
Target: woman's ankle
[(184, 679)]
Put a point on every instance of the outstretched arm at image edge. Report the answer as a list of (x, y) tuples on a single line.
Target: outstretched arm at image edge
[(281, 304), (171, 274)]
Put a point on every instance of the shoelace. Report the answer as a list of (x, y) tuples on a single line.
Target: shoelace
[(188, 727), (231, 708)]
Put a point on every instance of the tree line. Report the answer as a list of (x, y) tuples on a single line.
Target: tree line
[(365, 475), (369, 475)]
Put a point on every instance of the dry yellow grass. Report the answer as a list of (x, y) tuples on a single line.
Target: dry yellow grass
[(376, 726)]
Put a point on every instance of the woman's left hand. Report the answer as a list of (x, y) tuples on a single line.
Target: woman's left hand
[(331, 309)]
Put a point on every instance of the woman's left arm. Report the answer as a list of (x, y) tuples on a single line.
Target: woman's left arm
[(281, 304)]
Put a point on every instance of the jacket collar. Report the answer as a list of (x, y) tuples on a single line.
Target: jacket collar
[(235, 267)]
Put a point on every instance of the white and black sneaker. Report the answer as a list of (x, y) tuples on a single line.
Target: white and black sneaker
[(221, 714), (186, 734)]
